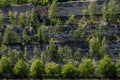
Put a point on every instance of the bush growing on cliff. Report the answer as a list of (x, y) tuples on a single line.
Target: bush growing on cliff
[(86, 68), (112, 11), (42, 34), (106, 67), (68, 71), (52, 69), (92, 11), (53, 9), (36, 69), (51, 50), (71, 20), (5, 68), (20, 69), (1, 17), (13, 17)]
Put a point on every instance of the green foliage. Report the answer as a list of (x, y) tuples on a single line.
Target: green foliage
[(3, 49), (5, 68), (1, 16), (53, 8), (79, 33), (104, 12), (42, 34), (92, 10), (71, 20), (13, 16), (51, 50), (10, 36), (77, 55), (86, 68), (103, 47), (68, 54), (25, 55), (94, 44), (36, 69), (84, 13), (57, 27), (21, 20), (106, 67), (52, 68), (25, 37), (118, 67), (60, 52), (112, 11), (68, 70), (36, 53), (6, 36), (2, 2), (20, 68)]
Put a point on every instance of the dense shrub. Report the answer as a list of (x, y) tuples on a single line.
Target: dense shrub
[(52, 69), (5, 68), (68, 71), (36, 69), (20, 69), (86, 68), (106, 67), (118, 67)]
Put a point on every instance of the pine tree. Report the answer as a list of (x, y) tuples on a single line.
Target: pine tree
[(104, 12), (20, 68), (36, 69), (112, 11), (92, 11), (13, 16), (51, 50), (1, 17), (52, 12)]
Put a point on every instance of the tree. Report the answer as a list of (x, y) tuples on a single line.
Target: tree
[(1, 16), (68, 54), (68, 70), (36, 53), (112, 11), (53, 9), (79, 33), (6, 35), (25, 53), (10, 36), (77, 55), (104, 12), (92, 10), (51, 50), (103, 50), (21, 20), (27, 18), (94, 44), (36, 69), (13, 16), (57, 26), (84, 13), (5, 67), (42, 34), (20, 68), (106, 67), (118, 67), (52, 69), (25, 37), (2, 2), (60, 52), (32, 19), (71, 20), (3, 49), (86, 68)]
